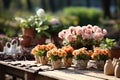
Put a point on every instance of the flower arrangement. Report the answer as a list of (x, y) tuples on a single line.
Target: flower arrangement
[(41, 50), (81, 54), (82, 36), (68, 49), (39, 22), (55, 54), (100, 54), (32, 21)]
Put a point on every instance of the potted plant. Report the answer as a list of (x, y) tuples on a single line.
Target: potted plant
[(81, 57), (109, 44), (67, 60), (40, 51), (55, 26), (37, 23), (85, 36), (56, 55), (100, 56)]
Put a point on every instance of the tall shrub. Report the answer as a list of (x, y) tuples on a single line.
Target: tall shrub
[(85, 15)]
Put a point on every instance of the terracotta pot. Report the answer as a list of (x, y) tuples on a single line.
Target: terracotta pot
[(67, 62), (29, 32), (56, 64), (2, 44), (25, 41), (41, 40), (115, 53), (56, 40), (43, 60)]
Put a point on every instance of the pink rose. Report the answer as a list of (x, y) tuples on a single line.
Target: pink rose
[(89, 26), (104, 31), (70, 37), (88, 31), (72, 30), (98, 36), (84, 28), (78, 30), (87, 36), (62, 34), (94, 28)]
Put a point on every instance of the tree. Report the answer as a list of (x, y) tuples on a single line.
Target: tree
[(69, 2), (117, 5), (106, 8), (52, 5), (43, 4), (29, 5), (6, 3)]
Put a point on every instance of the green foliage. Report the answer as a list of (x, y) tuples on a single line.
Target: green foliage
[(101, 57), (82, 56), (86, 15), (69, 20), (108, 43), (69, 55), (54, 57), (41, 53)]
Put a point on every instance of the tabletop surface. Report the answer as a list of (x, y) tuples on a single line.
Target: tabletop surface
[(70, 73)]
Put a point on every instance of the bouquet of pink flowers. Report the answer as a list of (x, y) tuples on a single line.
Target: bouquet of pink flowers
[(82, 36)]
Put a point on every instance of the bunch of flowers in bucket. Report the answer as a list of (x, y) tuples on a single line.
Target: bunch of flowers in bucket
[(67, 60), (56, 55), (82, 36), (81, 57), (100, 56), (41, 52)]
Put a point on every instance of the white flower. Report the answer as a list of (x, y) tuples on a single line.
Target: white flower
[(40, 12), (54, 21), (21, 20)]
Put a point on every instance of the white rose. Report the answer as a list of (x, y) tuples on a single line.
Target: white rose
[(40, 12)]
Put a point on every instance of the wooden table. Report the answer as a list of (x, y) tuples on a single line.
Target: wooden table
[(15, 71), (46, 74)]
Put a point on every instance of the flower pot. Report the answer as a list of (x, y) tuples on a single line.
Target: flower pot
[(117, 70), (100, 65), (43, 60), (115, 53), (108, 68), (2, 44), (56, 64), (37, 59), (81, 64), (29, 32), (41, 40), (67, 62), (25, 41), (56, 40)]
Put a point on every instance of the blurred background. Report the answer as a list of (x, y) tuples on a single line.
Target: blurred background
[(104, 13)]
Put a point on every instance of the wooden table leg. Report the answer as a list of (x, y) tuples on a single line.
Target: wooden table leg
[(14, 78), (29, 76), (2, 73)]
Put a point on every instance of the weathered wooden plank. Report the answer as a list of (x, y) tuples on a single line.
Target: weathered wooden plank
[(2, 74)]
